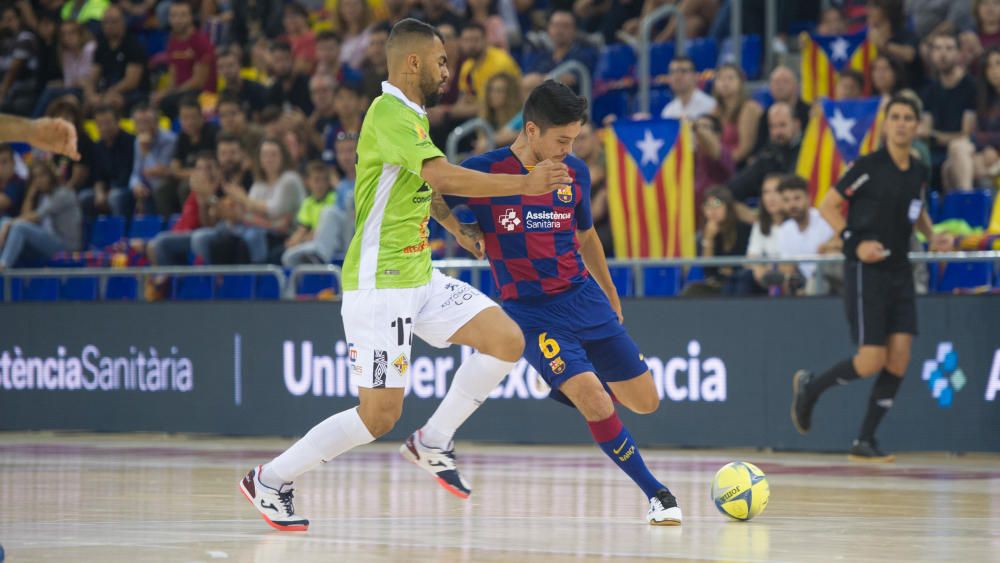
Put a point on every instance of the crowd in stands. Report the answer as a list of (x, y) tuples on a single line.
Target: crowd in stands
[(237, 123)]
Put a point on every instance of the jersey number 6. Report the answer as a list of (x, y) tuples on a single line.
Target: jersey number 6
[(548, 346)]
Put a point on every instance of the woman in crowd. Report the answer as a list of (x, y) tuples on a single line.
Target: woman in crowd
[(739, 114), (723, 234), (50, 221), (500, 105)]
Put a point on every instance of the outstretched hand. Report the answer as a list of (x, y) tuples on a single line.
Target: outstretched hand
[(546, 177), (54, 135)]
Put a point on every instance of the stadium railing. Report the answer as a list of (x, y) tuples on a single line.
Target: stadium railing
[(464, 130), (645, 32), (475, 272), (582, 73)]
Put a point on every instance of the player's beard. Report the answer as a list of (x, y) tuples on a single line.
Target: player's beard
[(432, 91)]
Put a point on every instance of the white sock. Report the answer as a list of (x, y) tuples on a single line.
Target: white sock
[(325, 441), (478, 375)]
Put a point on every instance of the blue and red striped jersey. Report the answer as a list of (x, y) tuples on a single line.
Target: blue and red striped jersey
[(531, 241)]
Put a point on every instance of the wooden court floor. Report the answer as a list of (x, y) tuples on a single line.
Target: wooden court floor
[(136, 497)]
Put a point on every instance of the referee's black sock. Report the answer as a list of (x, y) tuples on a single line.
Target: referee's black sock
[(841, 373), (879, 403)]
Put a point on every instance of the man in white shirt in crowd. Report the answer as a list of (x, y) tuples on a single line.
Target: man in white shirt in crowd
[(805, 232), (689, 101)]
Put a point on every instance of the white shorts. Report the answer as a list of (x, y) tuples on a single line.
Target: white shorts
[(380, 324)]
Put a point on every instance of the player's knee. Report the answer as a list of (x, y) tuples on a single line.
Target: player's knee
[(381, 419), (506, 344), (870, 362), (898, 362), (595, 404), (644, 404)]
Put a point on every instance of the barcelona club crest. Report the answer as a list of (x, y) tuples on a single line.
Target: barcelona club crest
[(557, 366), (565, 194)]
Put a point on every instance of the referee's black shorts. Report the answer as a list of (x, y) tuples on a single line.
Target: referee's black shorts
[(880, 300)]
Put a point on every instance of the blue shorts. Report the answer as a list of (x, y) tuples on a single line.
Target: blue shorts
[(573, 333)]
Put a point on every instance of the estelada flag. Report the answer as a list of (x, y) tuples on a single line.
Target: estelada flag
[(823, 56), (650, 181), (844, 131)]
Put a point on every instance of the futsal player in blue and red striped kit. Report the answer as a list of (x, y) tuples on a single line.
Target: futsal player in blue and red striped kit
[(554, 282)]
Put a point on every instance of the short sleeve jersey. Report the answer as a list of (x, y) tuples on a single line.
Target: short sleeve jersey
[(883, 204), (531, 241), (392, 202)]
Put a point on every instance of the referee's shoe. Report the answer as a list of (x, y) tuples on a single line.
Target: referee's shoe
[(802, 401), (868, 450)]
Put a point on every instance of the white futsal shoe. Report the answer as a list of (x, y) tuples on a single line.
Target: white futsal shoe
[(274, 505), (663, 510), (438, 462)]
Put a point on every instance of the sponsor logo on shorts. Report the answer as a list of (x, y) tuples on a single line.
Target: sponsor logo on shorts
[(379, 368), (352, 353), (460, 293), (565, 194), (401, 364), (557, 366)]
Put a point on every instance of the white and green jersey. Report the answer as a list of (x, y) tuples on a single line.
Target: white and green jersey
[(392, 202)]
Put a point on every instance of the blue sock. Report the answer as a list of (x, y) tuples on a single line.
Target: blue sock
[(617, 443)]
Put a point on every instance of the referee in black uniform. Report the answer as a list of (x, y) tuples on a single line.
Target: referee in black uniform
[(885, 191)]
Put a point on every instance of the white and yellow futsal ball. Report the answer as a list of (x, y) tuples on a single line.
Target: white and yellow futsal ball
[(740, 490)]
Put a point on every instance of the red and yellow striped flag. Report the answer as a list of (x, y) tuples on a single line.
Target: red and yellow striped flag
[(650, 181), (823, 56), (834, 139)]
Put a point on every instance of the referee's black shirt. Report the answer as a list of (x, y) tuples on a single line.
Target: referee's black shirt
[(884, 203)]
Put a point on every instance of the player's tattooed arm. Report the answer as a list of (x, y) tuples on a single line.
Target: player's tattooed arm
[(440, 210), (469, 236)]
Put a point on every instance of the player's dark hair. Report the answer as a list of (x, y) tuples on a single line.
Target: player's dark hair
[(6, 148), (412, 26), (901, 99), (553, 104), (791, 182)]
